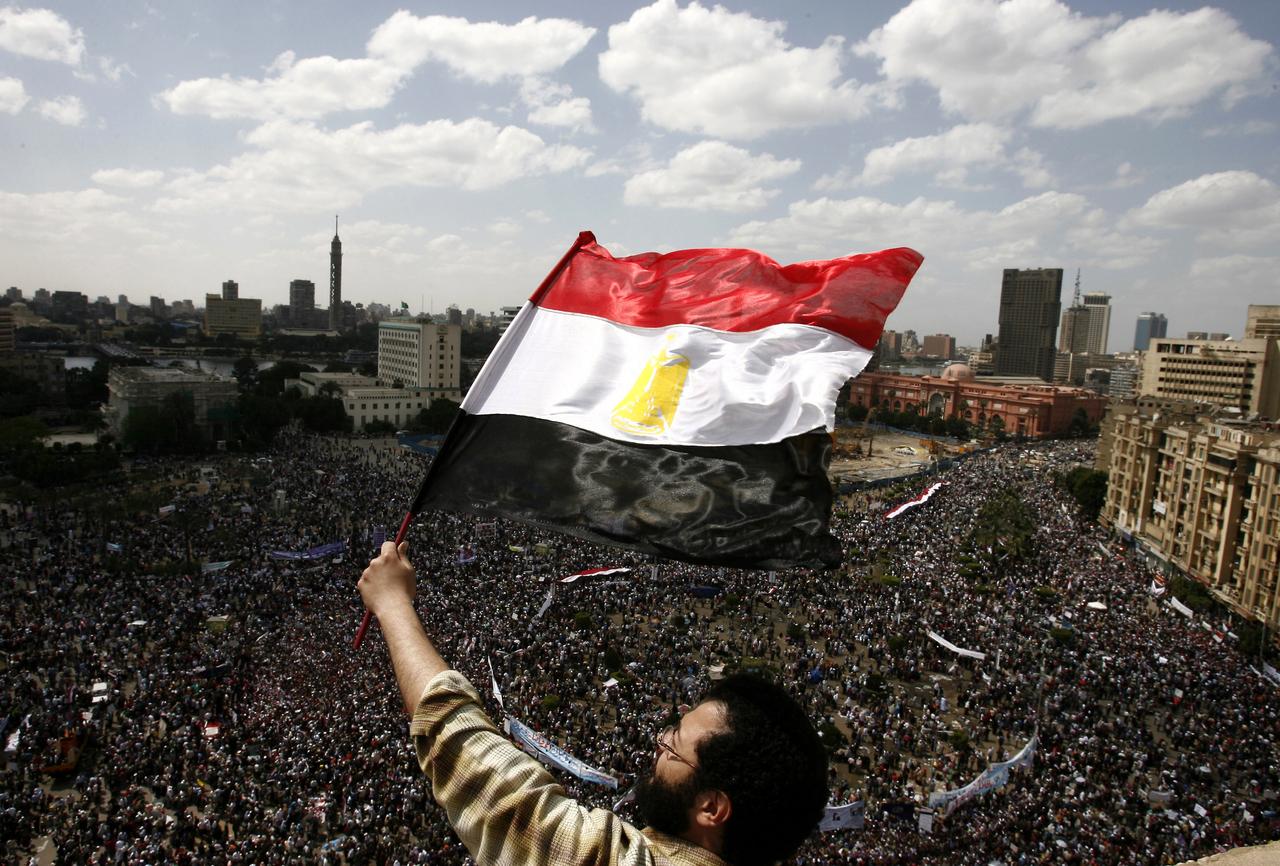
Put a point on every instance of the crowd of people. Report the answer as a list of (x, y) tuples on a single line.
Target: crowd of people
[(161, 711)]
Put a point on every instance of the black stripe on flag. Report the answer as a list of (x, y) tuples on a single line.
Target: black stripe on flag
[(745, 506)]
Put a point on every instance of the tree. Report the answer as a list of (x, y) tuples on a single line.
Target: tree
[(436, 418), (168, 428), (246, 372), (18, 396), (1079, 425), (20, 434), (330, 390), (322, 414)]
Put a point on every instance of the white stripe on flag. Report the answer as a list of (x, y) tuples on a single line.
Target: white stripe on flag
[(722, 388)]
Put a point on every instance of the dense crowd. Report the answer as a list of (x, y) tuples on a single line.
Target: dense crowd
[(269, 740)]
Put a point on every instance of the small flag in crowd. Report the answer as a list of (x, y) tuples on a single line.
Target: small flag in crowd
[(594, 572), (675, 404)]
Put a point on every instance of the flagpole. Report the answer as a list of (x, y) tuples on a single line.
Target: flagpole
[(582, 240)]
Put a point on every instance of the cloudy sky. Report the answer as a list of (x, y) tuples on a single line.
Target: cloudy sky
[(158, 149)]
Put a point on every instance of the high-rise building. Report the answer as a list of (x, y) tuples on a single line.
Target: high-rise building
[(1263, 322), (1099, 306), (14, 293), (940, 346), (1074, 338), (1151, 326), (890, 346), (302, 302), (1030, 302), (335, 280), (158, 307), (230, 290), (1244, 374), (420, 355)]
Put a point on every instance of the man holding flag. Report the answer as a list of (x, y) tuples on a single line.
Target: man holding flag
[(741, 780), (673, 404)]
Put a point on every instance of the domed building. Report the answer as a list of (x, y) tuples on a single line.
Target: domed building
[(958, 372)]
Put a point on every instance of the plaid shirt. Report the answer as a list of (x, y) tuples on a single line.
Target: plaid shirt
[(507, 809)]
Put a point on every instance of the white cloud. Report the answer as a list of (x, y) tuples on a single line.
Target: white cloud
[(308, 88), (710, 175), (950, 156), (1230, 273), (298, 166), (1248, 127), (552, 104), (486, 52), (67, 110), (41, 34), (13, 96), (127, 178), (57, 218), (991, 59), (1230, 208), (113, 70), (726, 74)]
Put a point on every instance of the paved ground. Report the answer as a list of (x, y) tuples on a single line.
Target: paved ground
[(1260, 855)]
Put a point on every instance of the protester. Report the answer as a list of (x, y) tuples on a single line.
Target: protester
[(271, 741)]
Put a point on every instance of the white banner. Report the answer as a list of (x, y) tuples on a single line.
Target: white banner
[(1180, 607), (1156, 589), (1271, 673), (493, 681), (973, 654), (919, 500), (995, 776), (546, 603), (852, 816), (553, 756)]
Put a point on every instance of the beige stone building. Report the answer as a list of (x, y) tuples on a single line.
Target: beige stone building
[(365, 401), (1199, 492), (215, 397), (1244, 374), (1263, 321)]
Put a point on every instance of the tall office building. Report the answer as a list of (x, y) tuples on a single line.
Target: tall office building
[(1074, 339), (1151, 326), (1263, 322), (940, 346), (302, 303), (335, 280), (1030, 302), (420, 355), (1099, 306), (230, 290)]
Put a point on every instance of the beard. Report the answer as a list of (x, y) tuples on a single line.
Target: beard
[(665, 806)]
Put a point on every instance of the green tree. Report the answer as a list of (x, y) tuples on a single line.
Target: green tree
[(436, 418), (18, 395), (245, 371), (21, 434), (322, 415)]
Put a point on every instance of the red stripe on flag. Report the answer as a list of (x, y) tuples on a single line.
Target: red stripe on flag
[(735, 290)]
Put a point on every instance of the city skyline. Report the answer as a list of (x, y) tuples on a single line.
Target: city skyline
[(162, 151)]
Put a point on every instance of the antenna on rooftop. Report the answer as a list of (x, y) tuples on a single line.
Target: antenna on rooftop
[(335, 234), (1075, 302)]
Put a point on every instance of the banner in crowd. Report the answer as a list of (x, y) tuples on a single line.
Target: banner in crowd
[(207, 567), (546, 604), (594, 572), (112, 547), (1181, 608), (961, 651), (493, 681), (320, 552), (851, 816), (993, 777), (1271, 673), (1157, 587), (552, 755), (919, 500), (379, 538), (467, 555)]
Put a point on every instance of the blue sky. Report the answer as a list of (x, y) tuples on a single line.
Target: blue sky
[(160, 149)]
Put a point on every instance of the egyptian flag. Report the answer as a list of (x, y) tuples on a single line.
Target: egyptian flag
[(675, 404)]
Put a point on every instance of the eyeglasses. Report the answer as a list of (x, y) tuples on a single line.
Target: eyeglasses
[(664, 744)]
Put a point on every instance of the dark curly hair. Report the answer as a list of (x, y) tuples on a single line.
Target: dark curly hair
[(771, 763)]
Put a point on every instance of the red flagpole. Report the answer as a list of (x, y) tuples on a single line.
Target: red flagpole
[(583, 239)]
